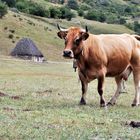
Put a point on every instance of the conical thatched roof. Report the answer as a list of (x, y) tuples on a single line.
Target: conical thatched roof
[(26, 47)]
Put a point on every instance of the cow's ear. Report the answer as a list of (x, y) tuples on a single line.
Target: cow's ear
[(62, 34), (85, 35)]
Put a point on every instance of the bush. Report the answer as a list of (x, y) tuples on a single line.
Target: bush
[(22, 6), (66, 13), (112, 19), (3, 9), (80, 13), (137, 27), (55, 12), (91, 15), (130, 26), (61, 1), (95, 15), (72, 4), (12, 31), (11, 36), (102, 17), (69, 15), (84, 7), (32, 8), (128, 9), (10, 3), (38, 10), (122, 21), (134, 26)]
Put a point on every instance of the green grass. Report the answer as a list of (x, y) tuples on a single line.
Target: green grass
[(47, 105)]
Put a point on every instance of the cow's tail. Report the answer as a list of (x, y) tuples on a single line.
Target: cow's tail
[(137, 37)]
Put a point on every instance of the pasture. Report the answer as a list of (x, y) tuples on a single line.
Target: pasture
[(40, 101)]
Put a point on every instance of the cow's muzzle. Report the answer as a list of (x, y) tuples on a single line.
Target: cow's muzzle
[(68, 54)]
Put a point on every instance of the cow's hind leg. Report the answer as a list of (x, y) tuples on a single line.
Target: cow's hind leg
[(84, 91), (136, 74), (119, 81), (100, 91)]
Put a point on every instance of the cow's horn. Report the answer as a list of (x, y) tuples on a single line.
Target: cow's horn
[(86, 28), (58, 27), (61, 29)]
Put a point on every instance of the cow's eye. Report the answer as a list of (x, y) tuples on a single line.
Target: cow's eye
[(77, 41)]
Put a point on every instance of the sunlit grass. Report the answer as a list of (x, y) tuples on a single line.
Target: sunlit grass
[(48, 107)]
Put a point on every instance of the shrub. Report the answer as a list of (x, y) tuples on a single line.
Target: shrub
[(91, 15), (11, 36), (22, 6), (80, 12), (137, 27), (13, 41), (95, 15), (84, 7), (66, 13), (130, 26), (38, 10), (61, 1), (112, 19), (12, 30), (3, 9), (69, 15), (55, 12), (122, 21), (101, 17), (32, 8), (72, 4), (10, 3), (128, 9), (5, 28)]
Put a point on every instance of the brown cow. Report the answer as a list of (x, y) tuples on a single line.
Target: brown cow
[(102, 55)]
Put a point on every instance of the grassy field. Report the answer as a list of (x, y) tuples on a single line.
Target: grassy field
[(40, 101)]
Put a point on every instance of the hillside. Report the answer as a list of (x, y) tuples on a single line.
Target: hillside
[(43, 31)]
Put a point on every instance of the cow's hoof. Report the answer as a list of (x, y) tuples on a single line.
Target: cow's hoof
[(134, 105), (82, 102), (110, 104), (102, 105)]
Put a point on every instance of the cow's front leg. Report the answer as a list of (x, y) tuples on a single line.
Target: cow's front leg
[(100, 90), (84, 91)]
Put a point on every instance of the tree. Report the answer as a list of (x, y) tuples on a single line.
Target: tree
[(72, 4), (66, 13), (3, 9)]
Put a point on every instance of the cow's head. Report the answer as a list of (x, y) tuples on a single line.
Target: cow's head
[(74, 38)]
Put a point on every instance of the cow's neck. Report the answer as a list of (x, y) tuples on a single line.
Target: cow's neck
[(82, 58)]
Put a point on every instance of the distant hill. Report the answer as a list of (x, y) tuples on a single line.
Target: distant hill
[(43, 32), (126, 12)]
